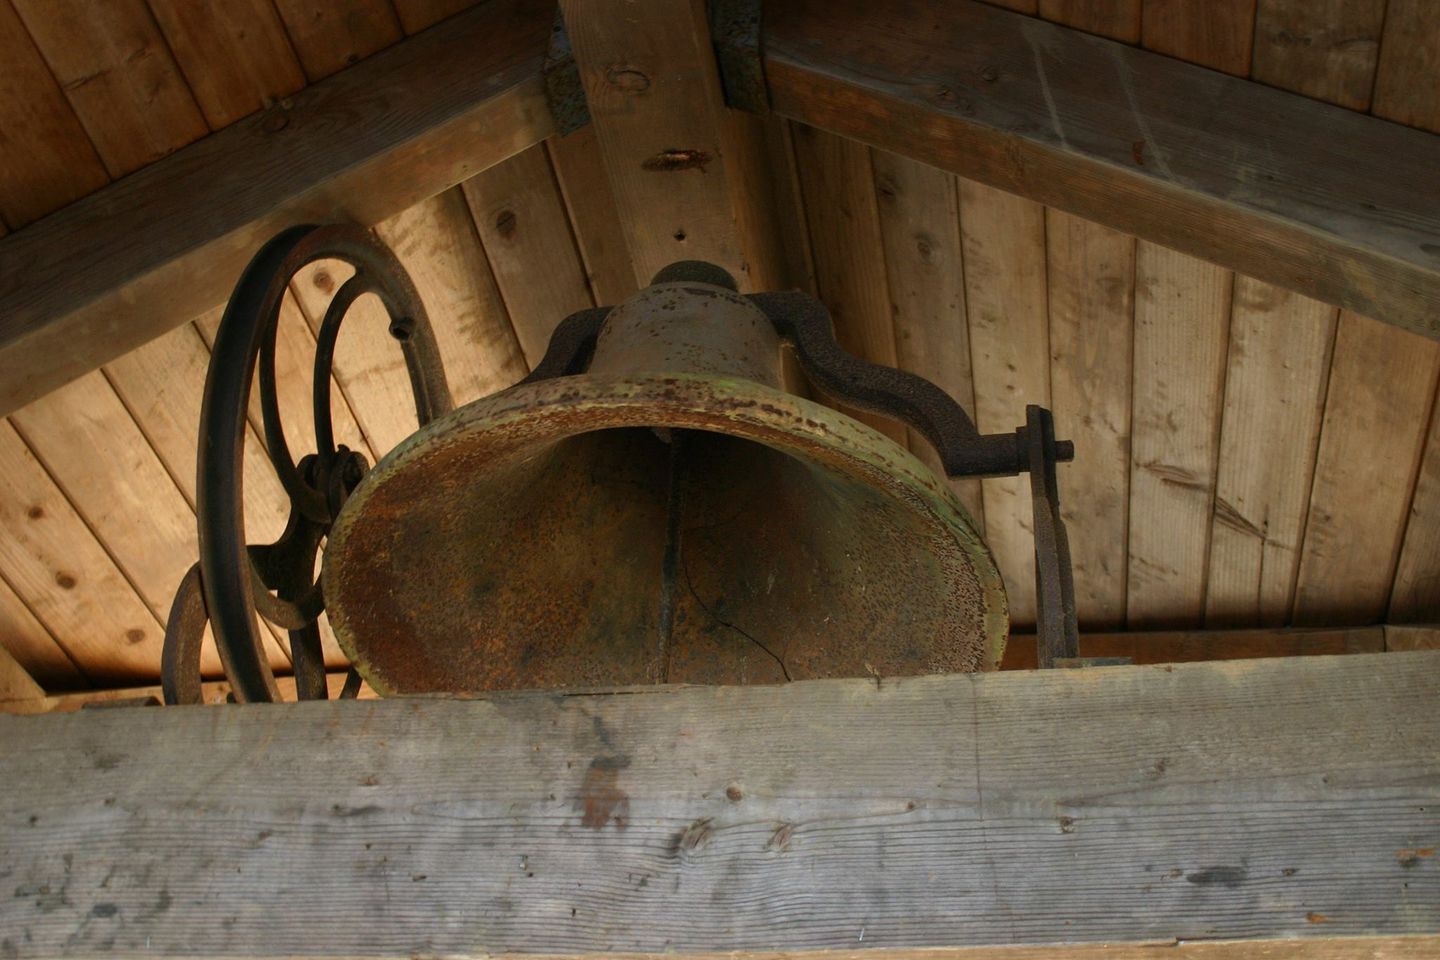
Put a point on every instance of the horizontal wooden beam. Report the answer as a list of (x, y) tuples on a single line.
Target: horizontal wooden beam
[(1337, 205), (155, 249), (1259, 799)]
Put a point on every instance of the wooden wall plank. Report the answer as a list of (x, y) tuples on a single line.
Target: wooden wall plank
[(119, 75), (1192, 646), (329, 37), (520, 216), (64, 576), (164, 245), (437, 243), (29, 644), (920, 224), (89, 443), (46, 158), (1412, 637), (1376, 412), (1182, 318), (15, 683), (1091, 283), (416, 15), (1004, 244), (1032, 800), (580, 172), (846, 241), (1214, 33), (1407, 81), (1209, 164), (1116, 19), (1415, 596), (1322, 48), (235, 55), (1279, 358)]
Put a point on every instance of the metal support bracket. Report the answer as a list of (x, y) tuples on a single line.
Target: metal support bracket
[(736, 35), (564, 91)]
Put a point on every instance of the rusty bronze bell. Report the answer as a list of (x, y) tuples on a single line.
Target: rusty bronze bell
[(671, 514), (652, 504)]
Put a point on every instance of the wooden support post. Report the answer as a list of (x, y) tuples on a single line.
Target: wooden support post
[(149, 252), (1333, 204), (1266, 799), (675, 155)]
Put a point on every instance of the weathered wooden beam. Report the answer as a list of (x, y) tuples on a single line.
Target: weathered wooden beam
[(1334, 204), (1264, 799), (157, 248)]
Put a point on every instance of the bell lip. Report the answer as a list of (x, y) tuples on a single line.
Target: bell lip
[(567, 406)]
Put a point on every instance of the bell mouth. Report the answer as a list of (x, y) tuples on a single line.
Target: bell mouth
[(596, 531)]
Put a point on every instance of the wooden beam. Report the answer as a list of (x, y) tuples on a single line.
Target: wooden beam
[(1267, 799), (151, 251), (15, 683), (1327, 202)]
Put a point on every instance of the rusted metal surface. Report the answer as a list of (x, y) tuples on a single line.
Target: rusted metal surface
[(520, 542), (1057, 633)]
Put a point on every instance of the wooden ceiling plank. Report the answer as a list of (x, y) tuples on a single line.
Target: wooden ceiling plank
[(520, 216), (120, 77), (1415, 596), (437, 243), (1091, 284), (235, 55), (1212, 165), (1376, 412), (1116, 19), (416, 15), (1406, 85), (920, 226), (1279, 359), (25, 639), (46, 158), (1182, 320), (1218, 34), (1034, 799), (329, 37), (58, 568), (1325, 49), (849, 250), (15, 683), (1191, 646), (98, 456), (580, 171), (164, 245), (1003, 238)]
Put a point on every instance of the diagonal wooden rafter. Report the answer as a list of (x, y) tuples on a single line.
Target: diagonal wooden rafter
[(1333, 204), (1330, 203)]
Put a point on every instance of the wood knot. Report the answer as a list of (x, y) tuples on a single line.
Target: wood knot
[(505, 223), (734, 794), (65, 581), (676, 159), (627, 80)]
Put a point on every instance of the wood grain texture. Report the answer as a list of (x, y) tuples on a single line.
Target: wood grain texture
[(164, 245), (25, 640), (1213, 33), (1005, 294), (846, 242), (64, 576), (15, 683), (1212, 165), (653, 89), (416, 15), (212, 693), (329, 37), (119, 75), (1407, 79), (1412, 637), (1116, 19), (1189, 646), (437, 243), (1382, 381), (1182, 319), (594, 219), (520, 216), (1279, 358), (1321, 48), (920, 225), (235, 55), (1415, 595), (1129, 803), (1091, 284), (46, 158)]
